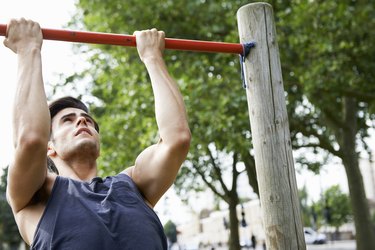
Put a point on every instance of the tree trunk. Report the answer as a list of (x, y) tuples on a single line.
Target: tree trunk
[(249, 162), (365, 236), (234, 236)]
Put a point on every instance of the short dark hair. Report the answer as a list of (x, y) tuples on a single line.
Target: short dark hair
[(68, 102)]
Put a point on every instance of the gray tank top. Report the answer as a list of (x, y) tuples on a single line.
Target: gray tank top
[(103, 214)]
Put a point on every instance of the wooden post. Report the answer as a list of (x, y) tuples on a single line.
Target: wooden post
[(270, 129)]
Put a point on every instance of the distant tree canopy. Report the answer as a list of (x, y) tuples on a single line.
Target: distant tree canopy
[(214, 97), (170, 231), (333, 208), (326, 48)]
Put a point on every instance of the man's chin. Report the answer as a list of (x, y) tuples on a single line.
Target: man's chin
[(88, 146)]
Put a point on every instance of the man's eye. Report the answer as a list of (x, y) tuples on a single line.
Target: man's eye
[(67, 119)]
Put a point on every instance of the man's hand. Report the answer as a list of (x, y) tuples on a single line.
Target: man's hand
[(150, 44), (23, 35)]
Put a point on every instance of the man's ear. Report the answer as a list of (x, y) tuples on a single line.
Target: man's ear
[(50, 150)]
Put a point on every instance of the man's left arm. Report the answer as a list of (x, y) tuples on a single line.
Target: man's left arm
[(157, 166)]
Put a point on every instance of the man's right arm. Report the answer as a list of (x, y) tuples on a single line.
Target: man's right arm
[(31, 119)]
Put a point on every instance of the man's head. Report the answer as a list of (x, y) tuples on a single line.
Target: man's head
[(74, 133), (68, 102)]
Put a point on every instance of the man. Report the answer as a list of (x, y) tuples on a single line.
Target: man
[(76, 209)]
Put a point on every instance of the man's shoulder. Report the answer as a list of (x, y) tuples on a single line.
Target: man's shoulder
[(128, 171)]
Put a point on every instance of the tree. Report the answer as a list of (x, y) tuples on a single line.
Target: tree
[(126, 100), (170, 230), (305, 207), (211, 171), (214, 96), (334, 207), (326, 46), (8, 228), (328, 82)]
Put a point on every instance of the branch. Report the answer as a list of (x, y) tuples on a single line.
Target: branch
[(328, 113), (332, 119), (235, 172), (209, 184), (360, 96), (218, 172), (323, 142)]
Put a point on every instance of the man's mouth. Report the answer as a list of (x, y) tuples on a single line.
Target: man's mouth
[(83, 131)]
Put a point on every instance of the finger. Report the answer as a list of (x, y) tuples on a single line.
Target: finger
[(6, 44), (34, 24), (9, 26)]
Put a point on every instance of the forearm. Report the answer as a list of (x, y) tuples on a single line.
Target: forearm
[(31, 118), (157, 166), (169, 106)]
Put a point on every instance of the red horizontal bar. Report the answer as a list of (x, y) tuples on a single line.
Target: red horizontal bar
[(128, 40)]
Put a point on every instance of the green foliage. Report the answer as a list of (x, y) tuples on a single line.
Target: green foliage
[(338, 205), (305, 207), (210, 83), (332, 200), (318, 74), (170, 231), (326, 48), (216, 103), (8, 228)]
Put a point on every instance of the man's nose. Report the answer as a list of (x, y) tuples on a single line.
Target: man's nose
[(82, 120)]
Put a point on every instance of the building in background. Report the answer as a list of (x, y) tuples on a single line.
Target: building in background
[(211, 231)]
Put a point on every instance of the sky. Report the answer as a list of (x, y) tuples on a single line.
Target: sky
[(58, 58)]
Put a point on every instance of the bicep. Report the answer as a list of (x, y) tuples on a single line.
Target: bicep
[(155, 170)]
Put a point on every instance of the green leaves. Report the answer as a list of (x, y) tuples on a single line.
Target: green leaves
[(326, 50), (210, 83), (336, 203), (322, 45), (332, 209), (326, 56), (170, 230)]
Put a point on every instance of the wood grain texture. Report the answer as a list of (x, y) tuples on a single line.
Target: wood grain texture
[(270, 129)]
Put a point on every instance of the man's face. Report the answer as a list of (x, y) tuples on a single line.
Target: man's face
[(73, 134)]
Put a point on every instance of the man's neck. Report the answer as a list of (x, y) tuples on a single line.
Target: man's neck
[(78, 170)]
